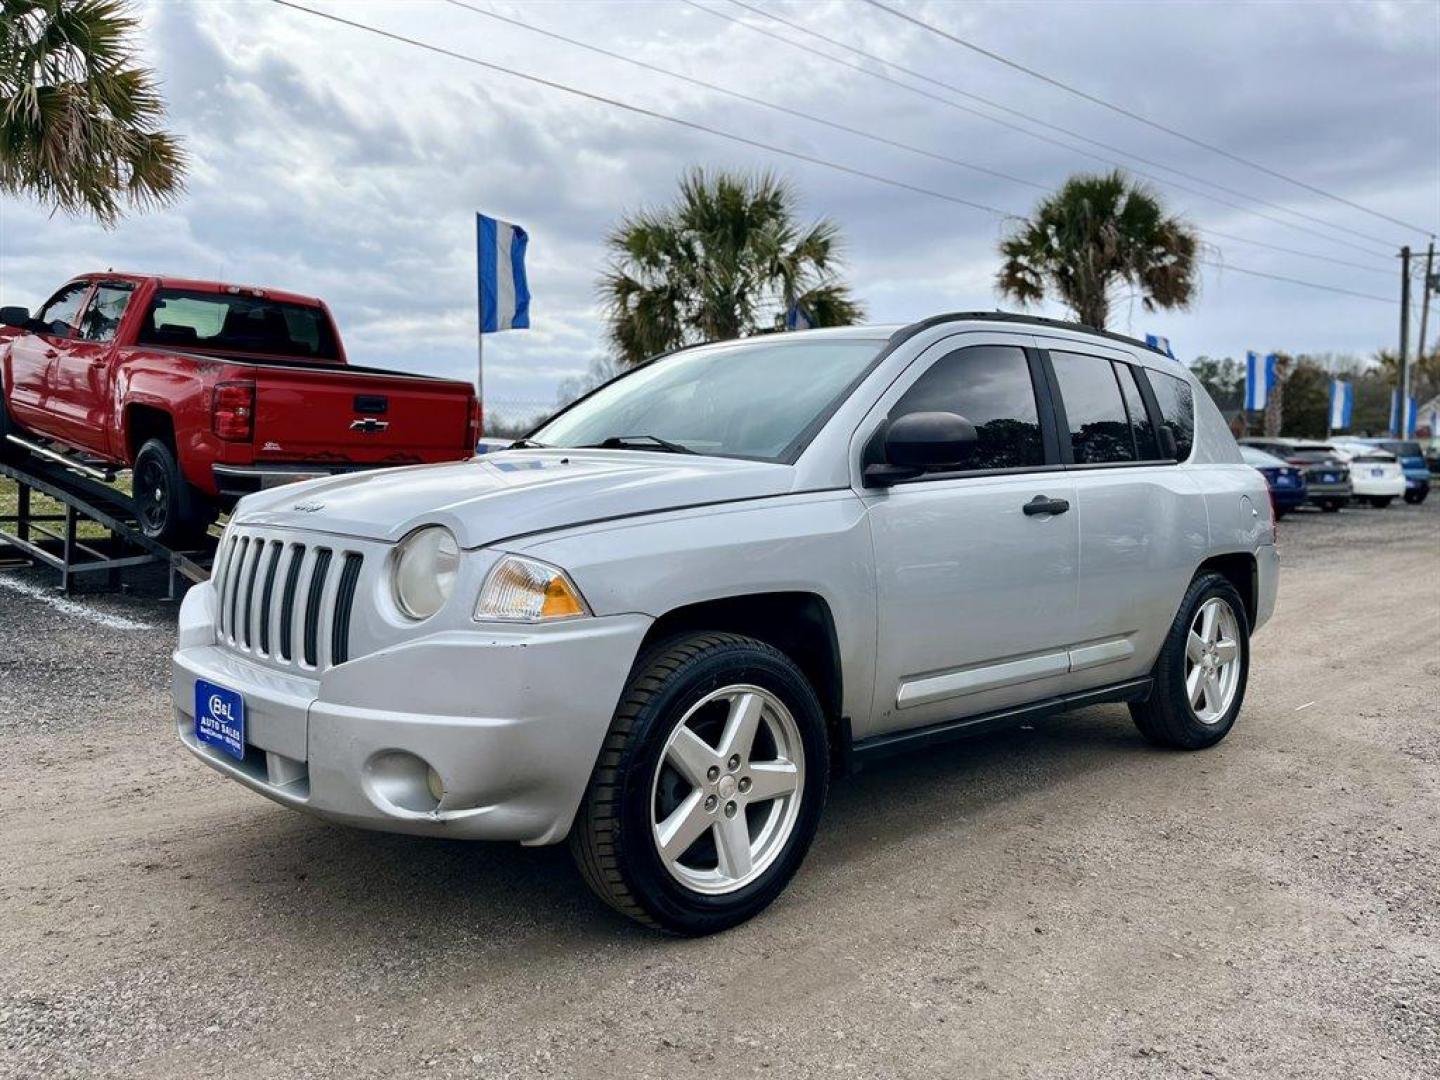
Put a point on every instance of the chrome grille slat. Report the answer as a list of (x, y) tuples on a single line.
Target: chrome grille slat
[(285, 602)]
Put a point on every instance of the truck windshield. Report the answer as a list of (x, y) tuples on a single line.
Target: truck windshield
[(750, 399), (238, 323)]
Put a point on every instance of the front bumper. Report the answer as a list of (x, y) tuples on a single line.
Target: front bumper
[(511, 719)]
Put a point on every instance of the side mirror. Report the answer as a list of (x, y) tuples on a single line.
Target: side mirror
[(15, 316), (920, 442)]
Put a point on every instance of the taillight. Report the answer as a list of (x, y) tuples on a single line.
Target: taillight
[(477, 423), (232, 411)]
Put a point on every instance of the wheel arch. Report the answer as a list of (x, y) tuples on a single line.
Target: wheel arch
[(1240, 569), (146, 422)]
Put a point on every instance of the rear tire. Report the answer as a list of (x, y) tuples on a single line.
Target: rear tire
[(1415, 498), (677, 763), (1199, 681), (168, 507)]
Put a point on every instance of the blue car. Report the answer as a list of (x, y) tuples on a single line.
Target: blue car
[(1412, 461), (1287, 483)]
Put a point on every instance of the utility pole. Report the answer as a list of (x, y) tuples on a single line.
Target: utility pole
[(1425, 290), (1402, 409)]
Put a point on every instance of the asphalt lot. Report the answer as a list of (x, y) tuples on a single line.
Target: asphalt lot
[(1057, 901)]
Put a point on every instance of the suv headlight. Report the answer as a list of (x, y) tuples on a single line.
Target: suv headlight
[(527, 590), (426, 563)]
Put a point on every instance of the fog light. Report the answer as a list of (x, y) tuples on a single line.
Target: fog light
[(435, 785)]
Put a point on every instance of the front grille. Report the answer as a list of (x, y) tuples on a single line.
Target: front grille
[(275, 592)]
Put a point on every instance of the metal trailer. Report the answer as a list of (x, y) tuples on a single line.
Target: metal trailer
[(52, 539)]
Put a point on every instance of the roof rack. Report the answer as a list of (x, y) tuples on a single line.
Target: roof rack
[(1030, 320)]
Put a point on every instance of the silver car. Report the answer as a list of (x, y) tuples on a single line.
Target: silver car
[(662, 623)]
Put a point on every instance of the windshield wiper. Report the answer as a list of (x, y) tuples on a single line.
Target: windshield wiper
[(642, 442), (526, 444)]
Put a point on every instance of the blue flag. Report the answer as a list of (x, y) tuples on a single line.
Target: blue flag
[(500, 258), (797, 318), (1411, 414), (1155, 341), (1342, 403), (1259, 380)]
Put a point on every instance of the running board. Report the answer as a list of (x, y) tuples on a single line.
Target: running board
[(63, 459), (890, 743)]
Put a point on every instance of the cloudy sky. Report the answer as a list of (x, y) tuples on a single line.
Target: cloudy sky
[(333, 162)]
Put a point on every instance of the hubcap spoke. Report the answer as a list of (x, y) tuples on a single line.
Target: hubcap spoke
[(1208, 618), (690, 756), (686, 824), (1213, 698), (771, 779), (1192, 685), (1226, 651), (732, 843), (1195, 647), (741, 725)]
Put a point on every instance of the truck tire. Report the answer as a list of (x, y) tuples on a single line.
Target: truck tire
[(8, 450), (168, 508), (719, 745), (1199, 678)]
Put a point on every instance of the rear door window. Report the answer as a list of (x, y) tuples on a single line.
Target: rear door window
[(1177, 409), (1146, 446), (990, 386), (1094, 409)]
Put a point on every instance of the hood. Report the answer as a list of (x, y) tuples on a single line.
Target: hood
[(511, 493)]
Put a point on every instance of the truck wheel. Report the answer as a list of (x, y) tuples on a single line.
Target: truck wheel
[(8, 450), (709, 786), (168, 507), (1201, 672)]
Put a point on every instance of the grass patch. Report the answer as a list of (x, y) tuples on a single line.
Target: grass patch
[(85, 529)]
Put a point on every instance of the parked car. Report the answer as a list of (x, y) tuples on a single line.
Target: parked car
[(1375, 474), (1286, 482), (660, 623), (1327, 477), (207, 391), (1412, 462)]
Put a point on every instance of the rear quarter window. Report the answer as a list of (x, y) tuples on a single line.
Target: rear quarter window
[(1177, 409)]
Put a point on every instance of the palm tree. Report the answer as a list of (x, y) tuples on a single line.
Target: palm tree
[(714, 264), (78, 117), (1094, 235)]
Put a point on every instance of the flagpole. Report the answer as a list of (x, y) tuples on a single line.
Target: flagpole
[(479, 331)]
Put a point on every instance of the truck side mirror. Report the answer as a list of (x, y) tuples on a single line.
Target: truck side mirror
[(15, 316), (921, 442)]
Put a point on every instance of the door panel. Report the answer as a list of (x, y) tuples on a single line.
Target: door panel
[(80, 376), (33, 355)]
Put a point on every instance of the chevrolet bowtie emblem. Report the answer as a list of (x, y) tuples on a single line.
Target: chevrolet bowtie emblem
[(369, 425)]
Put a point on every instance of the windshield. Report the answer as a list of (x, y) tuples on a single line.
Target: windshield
[(243, 323), (751, 399), (1402, 449)]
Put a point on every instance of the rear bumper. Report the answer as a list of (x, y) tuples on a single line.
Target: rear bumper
[(240, 480), (1382, 486), (511, 722), (1288, 498), (1267, 583), (1323, 493)]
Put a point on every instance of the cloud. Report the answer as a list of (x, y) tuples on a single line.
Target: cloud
[(339, 164)]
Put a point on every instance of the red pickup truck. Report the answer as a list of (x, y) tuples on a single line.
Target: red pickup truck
[(208, 391)]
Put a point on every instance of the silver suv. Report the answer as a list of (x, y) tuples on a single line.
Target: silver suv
[(660, 624)]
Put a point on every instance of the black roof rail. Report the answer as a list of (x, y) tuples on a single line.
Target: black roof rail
[(907, 332)]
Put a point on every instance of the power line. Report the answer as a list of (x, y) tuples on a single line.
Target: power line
[(692, 125), (810, 33), (1141, 118), (736, 94), (642, 111), (1300, 254)]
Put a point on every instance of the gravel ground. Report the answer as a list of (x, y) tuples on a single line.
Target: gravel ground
[(1056, 901)]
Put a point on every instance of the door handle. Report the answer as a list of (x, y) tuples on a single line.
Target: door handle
[(50, 354), (1041, 504)]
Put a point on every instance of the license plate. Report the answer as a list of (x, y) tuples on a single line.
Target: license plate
[(220, 718), (1377, 472), (1329, 478)]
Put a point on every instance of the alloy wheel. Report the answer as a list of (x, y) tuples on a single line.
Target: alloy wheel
[(726, 792), (1212, 660)]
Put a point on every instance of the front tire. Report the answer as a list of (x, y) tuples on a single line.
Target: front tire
[(168, 508), (1200, 675), (709, 787)]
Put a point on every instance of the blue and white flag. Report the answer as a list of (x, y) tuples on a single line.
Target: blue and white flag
[(1342, 403), (797, 318), (1155, 341), (500, 257), (1259, 380), (1411, 414)]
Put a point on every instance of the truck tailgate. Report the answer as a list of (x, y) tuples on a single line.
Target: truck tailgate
[(348, 415)]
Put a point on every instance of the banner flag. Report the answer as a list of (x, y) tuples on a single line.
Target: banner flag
[(1259, 380), (797, 318), (1155, 341), (1342, 403), (500, 258), (1411, 414)]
